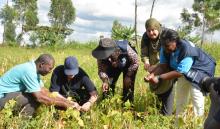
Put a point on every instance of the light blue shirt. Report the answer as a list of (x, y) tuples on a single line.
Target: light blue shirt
[(21, 78), (183, 66)]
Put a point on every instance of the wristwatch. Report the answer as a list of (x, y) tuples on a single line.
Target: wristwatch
[(159, 78)]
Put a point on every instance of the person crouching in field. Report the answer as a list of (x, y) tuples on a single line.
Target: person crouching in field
[(23, 84), (113, 58), (69, 80), (189, 64), (150, 48)]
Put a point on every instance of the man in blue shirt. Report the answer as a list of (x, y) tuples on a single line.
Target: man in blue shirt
[(189, 64), (23, 84)]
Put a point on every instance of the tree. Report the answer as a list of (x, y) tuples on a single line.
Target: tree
[(8, 15), (27, 10), (9, 32), (61, 14), (206, 14), (122, 32), (135, 22), (45, 35)]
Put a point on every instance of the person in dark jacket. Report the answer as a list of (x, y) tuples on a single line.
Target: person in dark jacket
[(71, 81), (189, 64), (213, 119), (150, 50), (114, 58)]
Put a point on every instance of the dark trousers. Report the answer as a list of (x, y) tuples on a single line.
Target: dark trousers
[(26, 104), (167, 102), (128, 90), (213, 119), (82, 96)]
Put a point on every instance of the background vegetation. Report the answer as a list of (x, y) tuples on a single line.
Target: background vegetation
[(108, 114)]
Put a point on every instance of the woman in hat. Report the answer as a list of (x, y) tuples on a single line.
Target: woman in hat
[(150, 47), (114, 58)]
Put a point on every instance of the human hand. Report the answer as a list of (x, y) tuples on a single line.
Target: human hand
[(152, 78), (76, 105), (151, 68), (146, 66), (105, 87), (86, 106), (148, 77)]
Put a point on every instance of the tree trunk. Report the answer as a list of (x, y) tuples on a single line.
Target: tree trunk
[(3, 38), (135, 24), (152, 8), (203, 30)]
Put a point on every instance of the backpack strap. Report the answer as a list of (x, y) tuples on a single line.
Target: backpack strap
[(122, 44)]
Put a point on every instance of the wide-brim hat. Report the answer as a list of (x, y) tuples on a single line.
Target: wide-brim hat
[(105, 48)]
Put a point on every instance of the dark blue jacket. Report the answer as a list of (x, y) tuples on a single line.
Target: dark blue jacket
[(203, 65)]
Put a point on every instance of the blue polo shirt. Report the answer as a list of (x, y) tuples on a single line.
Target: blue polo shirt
[(182, 67), (21, 78)]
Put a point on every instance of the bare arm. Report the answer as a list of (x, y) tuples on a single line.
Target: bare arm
[(170, 75), (94, 97), (159, 69), (86, 106), (164, 74), (43, 96)]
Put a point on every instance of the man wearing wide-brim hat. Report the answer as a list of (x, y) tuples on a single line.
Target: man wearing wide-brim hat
[(114, 58)]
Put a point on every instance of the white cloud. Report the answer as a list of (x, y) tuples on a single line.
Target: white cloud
[(95, 17), (43, 9), (167, 12)]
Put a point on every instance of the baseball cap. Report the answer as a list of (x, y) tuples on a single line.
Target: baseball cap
[(71, 66)]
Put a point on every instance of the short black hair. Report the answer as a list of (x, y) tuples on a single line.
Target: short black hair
[(169, 35), (45, 58)]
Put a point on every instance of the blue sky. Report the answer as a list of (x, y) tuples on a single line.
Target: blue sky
[(95, 17)]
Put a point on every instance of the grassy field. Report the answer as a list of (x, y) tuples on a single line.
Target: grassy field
[(108, 114)]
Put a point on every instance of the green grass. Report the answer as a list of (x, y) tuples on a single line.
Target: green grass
[(107, 114)]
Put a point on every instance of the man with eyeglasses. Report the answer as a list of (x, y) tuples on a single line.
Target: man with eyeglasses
[(71, 81)]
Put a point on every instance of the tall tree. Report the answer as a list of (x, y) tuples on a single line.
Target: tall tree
[(122, 32), (8, 15), (206, 14), (61, 14), (27, 10)]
